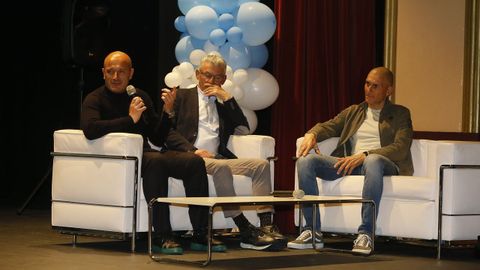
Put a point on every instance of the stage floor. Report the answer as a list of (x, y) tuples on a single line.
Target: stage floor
[(28, 242)]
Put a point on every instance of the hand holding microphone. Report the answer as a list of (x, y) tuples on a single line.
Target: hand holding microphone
[(137, 107)]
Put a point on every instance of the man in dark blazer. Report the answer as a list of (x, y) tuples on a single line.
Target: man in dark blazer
[(204, 118)]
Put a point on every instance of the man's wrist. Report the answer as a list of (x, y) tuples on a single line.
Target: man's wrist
[(170, 114)]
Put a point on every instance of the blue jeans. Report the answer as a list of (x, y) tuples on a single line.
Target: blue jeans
[(374, 168)]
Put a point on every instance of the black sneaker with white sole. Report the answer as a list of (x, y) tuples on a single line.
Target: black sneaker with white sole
[(274, 232), (254, 238)]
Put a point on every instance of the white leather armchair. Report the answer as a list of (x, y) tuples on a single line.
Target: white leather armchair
[(97, 189), (433, 204)]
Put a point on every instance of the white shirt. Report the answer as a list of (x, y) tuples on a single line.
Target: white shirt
[(208, 124), (367, 136)]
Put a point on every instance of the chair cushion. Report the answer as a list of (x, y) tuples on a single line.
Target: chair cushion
[(401, 187)]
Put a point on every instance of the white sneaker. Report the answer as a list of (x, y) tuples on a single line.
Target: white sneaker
[(304, 241), (363, 244)]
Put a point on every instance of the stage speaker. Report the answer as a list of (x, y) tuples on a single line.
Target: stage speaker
[(86, 25)]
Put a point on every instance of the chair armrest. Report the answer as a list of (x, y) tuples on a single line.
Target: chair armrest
[(121, 144), (326, 147), (252, 146)]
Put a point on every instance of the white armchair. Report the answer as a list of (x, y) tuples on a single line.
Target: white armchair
[(433, 204), (97, 190)]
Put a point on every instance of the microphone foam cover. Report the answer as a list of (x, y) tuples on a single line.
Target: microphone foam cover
[(131, 90), (298, 193)]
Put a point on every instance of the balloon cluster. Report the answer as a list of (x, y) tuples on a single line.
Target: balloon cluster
[(237, 30)]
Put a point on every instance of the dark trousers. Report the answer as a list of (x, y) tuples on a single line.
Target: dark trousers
[(157, 167)]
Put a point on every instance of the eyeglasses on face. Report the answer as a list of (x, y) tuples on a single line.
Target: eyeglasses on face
[(209, 76)]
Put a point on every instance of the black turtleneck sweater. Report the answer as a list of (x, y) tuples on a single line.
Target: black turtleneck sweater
[(104, 112)]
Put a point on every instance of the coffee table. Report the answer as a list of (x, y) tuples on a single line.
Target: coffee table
[(212, 202)]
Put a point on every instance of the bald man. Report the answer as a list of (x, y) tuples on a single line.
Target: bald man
[(110, 108), (375, 139)]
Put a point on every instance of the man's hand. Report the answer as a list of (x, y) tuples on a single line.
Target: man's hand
[(309, 142), (168, 97), (204, 153), (347, 164), (218, 92), (137, 107)]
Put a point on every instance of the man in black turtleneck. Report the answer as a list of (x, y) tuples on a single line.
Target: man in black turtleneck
[(110, 108)]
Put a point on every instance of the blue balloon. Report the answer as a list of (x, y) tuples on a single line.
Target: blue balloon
[(259, 56), (200, 21), (223, 6), (257, 21), (236, 55), (180, 24), (234, 34), (225, 21), (218, 37), (246, 1), (197, 43), (186, 5), (184, 47), (184, 34)]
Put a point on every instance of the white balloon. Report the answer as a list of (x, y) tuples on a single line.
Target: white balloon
[(187, 83), (240, 76), (229, 72), (186, 69), (175, 68), (228, 86), (173, 79), (196, 55), (237, 92), (251, 119), (260, 90), (194, 78)]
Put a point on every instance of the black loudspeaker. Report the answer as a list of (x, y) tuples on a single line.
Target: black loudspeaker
[(86, 25)]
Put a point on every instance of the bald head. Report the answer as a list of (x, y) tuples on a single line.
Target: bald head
[(378, 87), (118, 57), (385, 74), (117, 71)]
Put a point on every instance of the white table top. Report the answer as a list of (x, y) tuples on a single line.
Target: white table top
[(212, 201)]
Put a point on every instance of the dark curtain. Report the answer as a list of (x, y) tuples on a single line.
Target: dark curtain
[(323, 50)]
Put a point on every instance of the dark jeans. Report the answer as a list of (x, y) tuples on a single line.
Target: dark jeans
[(157, 167)]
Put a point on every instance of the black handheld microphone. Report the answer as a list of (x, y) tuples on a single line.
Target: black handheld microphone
[(132, 92)]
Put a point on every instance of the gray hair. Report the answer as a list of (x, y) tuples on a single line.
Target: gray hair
[(215, 59)]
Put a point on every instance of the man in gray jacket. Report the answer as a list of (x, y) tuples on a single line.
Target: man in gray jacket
[(375, 139)]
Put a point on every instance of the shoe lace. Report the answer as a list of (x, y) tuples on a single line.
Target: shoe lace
[(169, 243), (305, 235), (363, 240), (253, 231), (272, 229)]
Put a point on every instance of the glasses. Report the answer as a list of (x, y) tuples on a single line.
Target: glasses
[(209, 76)]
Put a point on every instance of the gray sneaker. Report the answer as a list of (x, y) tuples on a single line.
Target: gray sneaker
[(363, 244), (304, 241)]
